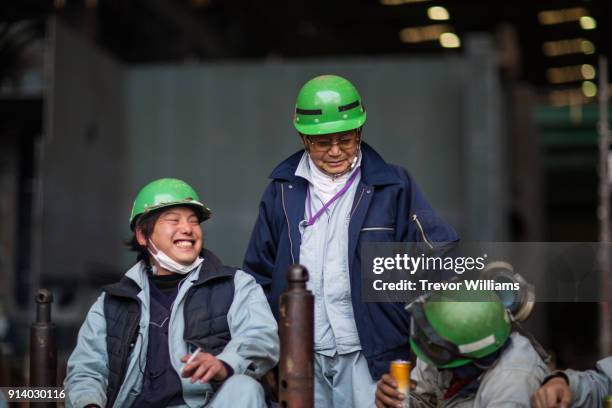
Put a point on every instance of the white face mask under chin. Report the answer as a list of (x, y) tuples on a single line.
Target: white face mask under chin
[(170, 264), (354, 162)]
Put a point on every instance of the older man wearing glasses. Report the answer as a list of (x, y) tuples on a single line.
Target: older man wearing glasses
[(320, 205)]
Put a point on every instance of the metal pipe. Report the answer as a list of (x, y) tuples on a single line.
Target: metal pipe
[(43, 351), (296, 367)]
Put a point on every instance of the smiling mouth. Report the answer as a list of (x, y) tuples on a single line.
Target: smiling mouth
[(184, 243)]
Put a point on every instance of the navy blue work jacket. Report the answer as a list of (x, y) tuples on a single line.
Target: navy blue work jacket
[(384, 208)]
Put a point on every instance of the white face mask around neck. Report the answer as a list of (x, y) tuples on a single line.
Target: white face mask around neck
[(170, 264)]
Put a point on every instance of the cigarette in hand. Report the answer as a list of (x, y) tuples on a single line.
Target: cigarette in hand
[(193, 356)]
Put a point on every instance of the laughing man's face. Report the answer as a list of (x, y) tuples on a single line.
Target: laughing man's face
[(177, 232)]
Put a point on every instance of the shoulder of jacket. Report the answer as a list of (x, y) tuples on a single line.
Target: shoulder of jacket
[(605, 366), (401, 175), (125, 288), (520, 356), (400, 172)]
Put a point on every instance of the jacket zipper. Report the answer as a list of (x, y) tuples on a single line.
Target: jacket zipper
[(287, 219), (420, 227), (357, 204), (132, 336), (177, 293), (182, 281)]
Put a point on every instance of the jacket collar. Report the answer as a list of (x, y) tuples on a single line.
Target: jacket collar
[(374, 170), (133, 281), (211, 268)]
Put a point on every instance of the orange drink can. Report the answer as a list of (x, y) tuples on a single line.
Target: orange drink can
[(400, 371)]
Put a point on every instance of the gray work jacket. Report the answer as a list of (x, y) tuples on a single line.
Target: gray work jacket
[(591, 386), (253, 349), (516, 375)]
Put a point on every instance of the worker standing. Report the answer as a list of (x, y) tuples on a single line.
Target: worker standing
[(322, 203)]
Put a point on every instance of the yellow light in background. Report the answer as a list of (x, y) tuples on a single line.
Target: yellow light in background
[(567, 47), (424, 33), (550, 17), (391, 2), (571, 73), (400, 2), (450, 40), (438, 13), (588, 71), (588, 23), (559, 75), (554, 76), (562, 47), (589, 89), (566, 97), (587, 47)]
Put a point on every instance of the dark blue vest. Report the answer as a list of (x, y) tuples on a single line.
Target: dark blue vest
[(205, 313)]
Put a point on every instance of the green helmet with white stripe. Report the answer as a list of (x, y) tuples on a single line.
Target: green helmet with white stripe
[(453, 328)]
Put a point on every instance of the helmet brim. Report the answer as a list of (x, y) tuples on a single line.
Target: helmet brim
[(421, 355), (203, 212), (331, 127)]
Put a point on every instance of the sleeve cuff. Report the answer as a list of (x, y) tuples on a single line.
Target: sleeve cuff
[(556, 374), (230, 370), (217, 384), (235, 362)]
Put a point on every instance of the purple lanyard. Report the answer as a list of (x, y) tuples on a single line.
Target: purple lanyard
[(313, 218)]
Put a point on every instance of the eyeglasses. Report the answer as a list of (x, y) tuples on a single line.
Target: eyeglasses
[(345, 142)]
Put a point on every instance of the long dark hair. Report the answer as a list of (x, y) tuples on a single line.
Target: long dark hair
[(145, 223)]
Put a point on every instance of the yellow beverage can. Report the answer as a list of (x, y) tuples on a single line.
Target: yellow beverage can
[(400, 371)]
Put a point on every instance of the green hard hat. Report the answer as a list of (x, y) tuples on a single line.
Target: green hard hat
[(328, 104), (457, 329), (167, 192)]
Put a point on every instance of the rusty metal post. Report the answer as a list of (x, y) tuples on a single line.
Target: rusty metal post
[(296, 387), (43, 351)]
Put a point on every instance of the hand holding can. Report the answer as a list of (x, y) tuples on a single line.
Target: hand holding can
[(400, 371)]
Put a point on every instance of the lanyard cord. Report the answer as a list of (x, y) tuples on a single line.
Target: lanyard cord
[(313, 218)]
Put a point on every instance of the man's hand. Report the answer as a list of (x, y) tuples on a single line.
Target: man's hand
[(554, 394), (387, 394), (204, 367)]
